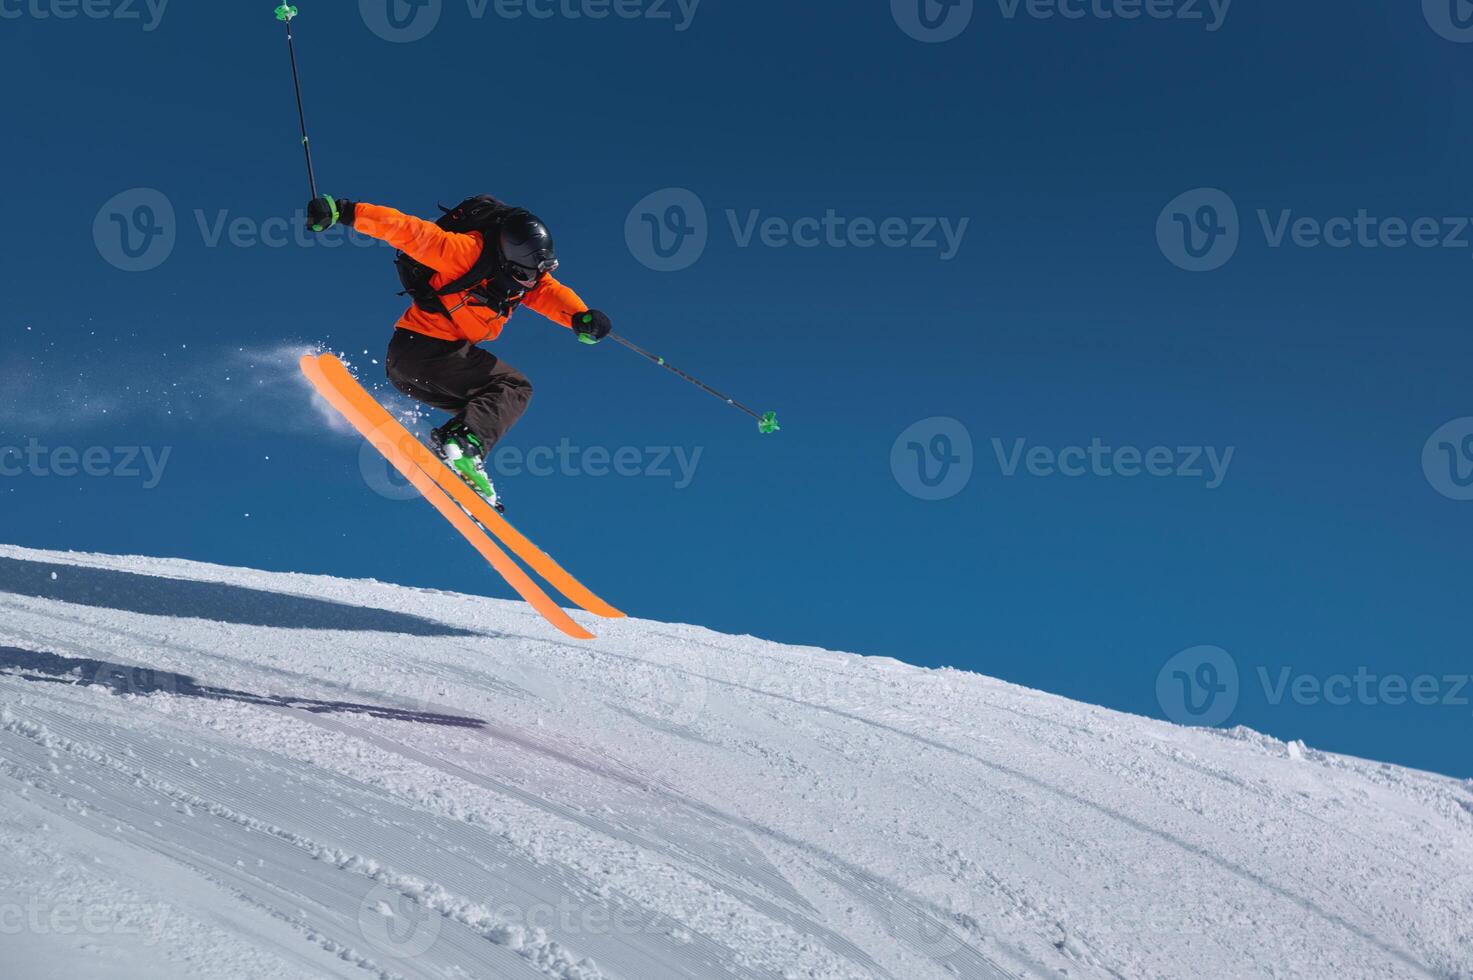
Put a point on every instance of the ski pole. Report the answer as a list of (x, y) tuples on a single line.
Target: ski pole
[(766, 422), (285, 13)]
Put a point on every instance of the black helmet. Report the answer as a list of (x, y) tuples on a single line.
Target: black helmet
[(526, 247)]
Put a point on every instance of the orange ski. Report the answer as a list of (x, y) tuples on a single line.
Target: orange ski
[(380, 420), (391, 443)]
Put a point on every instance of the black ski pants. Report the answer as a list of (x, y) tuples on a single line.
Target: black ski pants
[(458, 377)]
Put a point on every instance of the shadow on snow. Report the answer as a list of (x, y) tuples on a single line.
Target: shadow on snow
[(154, 596), (126, 679)]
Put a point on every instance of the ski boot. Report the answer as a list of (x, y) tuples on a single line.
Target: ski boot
[(464, 453)]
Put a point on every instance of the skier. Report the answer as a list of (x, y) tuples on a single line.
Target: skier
[(467, 273)]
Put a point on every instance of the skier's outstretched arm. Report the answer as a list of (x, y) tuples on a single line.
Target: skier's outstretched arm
[(555, 301), (424, 241), (561, 305)]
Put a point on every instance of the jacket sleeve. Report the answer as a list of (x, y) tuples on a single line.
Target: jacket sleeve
[(424, 241), (555, 301)]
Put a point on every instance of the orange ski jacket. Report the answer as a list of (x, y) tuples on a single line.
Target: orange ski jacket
[(451, 255)]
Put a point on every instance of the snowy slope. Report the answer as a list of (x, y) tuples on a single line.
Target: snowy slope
[(209, 772)]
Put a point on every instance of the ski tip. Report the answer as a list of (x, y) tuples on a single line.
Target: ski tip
[(585, 599), (575, 631)]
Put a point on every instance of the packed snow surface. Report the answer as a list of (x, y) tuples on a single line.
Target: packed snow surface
[(209, 772)]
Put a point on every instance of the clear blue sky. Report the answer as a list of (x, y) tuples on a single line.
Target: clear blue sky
[(1061, 319)]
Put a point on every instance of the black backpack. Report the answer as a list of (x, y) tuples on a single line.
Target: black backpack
[(482, 213)]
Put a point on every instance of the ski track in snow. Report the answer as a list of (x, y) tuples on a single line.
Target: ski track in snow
[(214, 772)]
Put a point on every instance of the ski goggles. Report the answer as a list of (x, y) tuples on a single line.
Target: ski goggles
[(527, 277)]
